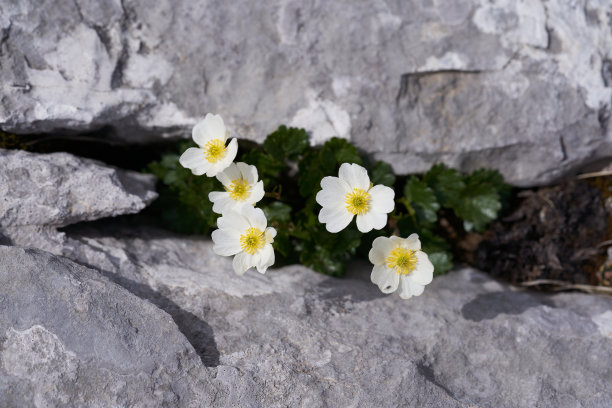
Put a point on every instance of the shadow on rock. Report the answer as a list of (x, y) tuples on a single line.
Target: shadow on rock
[(356, 285), (427, 372), (489, 305), (198, 332)]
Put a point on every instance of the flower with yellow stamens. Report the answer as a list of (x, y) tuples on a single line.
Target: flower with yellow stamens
[(351, 194), (241, 188), (212, 155), (400, 262), (244, 234)]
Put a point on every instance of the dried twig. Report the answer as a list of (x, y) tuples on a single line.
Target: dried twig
[(560, 285), (595, 174)]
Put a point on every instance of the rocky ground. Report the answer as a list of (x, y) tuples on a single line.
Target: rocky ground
[(136, 316), (95, 312)]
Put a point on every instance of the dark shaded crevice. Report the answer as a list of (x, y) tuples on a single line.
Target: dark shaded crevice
[(104, 38), (563, 149), (410, 86), (606, 72), (117, 75), (603, 117), (5, 35), (101, 145)]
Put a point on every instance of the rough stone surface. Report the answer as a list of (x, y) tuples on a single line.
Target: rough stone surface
[(525, 87), (69, 337), (40, 192), (304, 339)]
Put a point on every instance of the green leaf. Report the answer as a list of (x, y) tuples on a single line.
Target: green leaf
[(268, 168), (310, 174), (277, 212), (283, 244), (480, 201), (446, 183), (286, 143), (422, 199), (479, 205), (381, 173), (317, 164), (438, 251), (323, 251), (442, 262), (337, 151)]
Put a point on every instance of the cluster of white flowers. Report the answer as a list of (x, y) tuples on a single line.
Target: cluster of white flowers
[(243, 230), (396, 260)]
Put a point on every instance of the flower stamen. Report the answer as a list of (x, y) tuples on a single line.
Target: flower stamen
[(403, 260), (252, 240), (214, 150), (357, 201), (239, 190)]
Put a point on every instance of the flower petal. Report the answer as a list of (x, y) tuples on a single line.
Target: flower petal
[(388, 280), (382, 198), (226, 161), (423, 273), (228, 175), (364, 223), (212, 127), (266, 259), (257, 193), (409, 288), (194, 159), (255, 217), (371, 220), (233, 221), (381, 247), (230, 153), (242, 262), (222, 202), (412, 242), (333, 193), (226, 242), (355, 176), (248, 172), (335, 218), (270, 234), (377, 273)]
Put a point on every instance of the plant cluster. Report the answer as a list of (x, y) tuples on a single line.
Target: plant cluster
[(292, 172)]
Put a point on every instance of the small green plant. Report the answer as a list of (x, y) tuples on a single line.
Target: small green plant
[(292, 171)]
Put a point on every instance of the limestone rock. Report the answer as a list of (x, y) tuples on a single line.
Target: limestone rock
[(525, 87), (69, 337), (304, 339), (40, 192)]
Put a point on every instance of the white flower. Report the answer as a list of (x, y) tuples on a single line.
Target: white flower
[(245, 235), (352, 194), (212, 156), (400, 260), (241, 187)]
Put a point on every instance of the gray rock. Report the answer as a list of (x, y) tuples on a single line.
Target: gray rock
[(523, 87), (304, 339), (69, 337), (41, 192)]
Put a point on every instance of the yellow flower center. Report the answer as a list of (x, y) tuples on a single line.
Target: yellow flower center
[(402, 260), (357, 201), (214, 150), (252, 240), (239, 190)]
